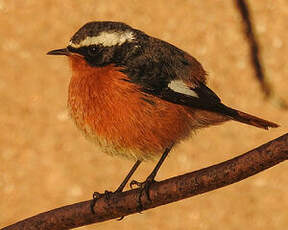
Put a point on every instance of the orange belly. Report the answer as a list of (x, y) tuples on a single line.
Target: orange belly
[(122, 120)]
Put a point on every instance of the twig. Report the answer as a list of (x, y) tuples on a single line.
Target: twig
[(254, 49), (162, 192), (255, 54)]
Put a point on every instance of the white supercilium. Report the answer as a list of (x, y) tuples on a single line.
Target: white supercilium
[(106, 38)]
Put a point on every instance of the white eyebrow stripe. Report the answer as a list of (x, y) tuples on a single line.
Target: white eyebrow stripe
[(106, 38), (180, 87)]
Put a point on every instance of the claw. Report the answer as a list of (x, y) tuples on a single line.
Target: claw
[(96, 196), (134, 182), (107, 194), (144, 187), (121, 218)]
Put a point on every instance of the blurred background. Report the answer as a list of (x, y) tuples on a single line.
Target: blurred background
[(46, 163)]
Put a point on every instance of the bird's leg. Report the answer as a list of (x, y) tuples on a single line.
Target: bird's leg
[(97, 195), (145, 186), (131, 172)]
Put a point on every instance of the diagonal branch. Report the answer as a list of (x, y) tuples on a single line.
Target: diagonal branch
[(255, 55), (254, 48), (163, 192)]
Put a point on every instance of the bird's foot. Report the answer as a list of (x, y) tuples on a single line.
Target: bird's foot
[(97, 196), (144, 188)]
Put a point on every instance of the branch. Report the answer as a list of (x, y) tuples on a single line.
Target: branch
[(163, 192), (254, 48), (255, 54)]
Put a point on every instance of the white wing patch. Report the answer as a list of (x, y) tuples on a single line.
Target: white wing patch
[(180, 87), (106, 38)]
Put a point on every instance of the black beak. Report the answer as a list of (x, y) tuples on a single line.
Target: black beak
[(64, 51)]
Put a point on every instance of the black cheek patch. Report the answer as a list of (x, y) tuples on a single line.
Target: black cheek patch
[(102, 57)]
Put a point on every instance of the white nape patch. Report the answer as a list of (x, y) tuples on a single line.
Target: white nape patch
[(106, 38), (180, 87)]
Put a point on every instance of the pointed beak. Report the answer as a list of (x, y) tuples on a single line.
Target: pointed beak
[(64, 51)]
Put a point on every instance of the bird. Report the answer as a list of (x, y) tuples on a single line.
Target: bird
[(136, 96)]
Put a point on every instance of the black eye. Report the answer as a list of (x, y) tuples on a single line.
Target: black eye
[(92, 50)]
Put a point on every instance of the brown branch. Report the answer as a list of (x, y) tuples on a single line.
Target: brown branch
[(162, 192), (254, 48), (255, 54)]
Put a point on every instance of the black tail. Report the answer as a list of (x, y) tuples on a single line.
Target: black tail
[(245, 118)]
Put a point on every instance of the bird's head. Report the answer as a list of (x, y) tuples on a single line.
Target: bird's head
[(103, 43)]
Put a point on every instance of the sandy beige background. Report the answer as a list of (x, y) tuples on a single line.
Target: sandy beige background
[(46, 163)]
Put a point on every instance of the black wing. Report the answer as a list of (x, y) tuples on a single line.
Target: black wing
[(207, 100), (169, 73)]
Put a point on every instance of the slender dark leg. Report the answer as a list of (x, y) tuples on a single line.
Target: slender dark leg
[(131, 172), (145, 186), (97, 195)]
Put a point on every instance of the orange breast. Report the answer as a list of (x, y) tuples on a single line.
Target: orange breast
[(118, 117)]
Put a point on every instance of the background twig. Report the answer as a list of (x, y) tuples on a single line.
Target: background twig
[(162, 192), (254, 48), (255, 56)]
